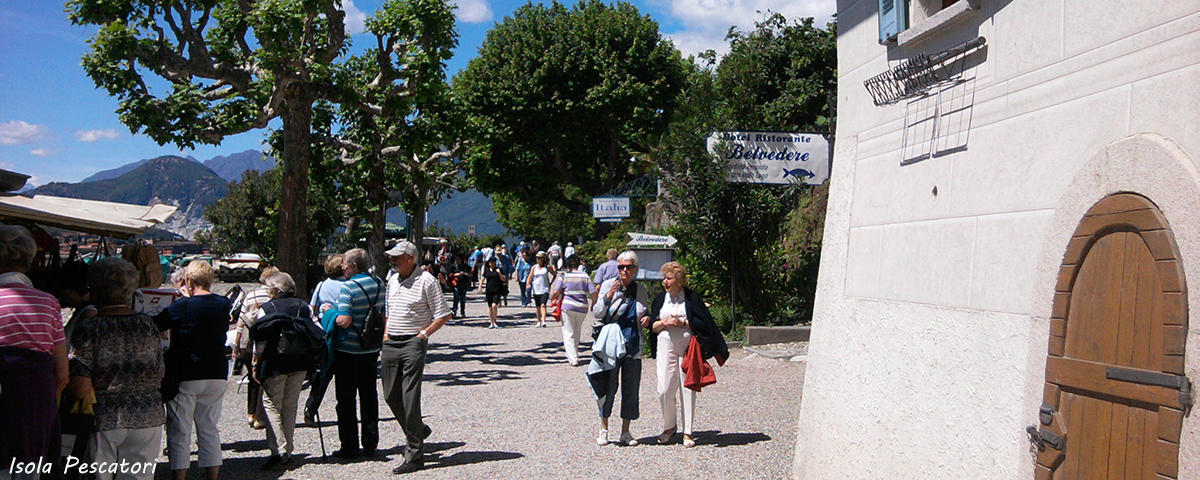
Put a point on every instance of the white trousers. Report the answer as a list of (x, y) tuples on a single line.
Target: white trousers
[(198, 403), (672, 345), (572, 329), (280, 403), (134, 450)]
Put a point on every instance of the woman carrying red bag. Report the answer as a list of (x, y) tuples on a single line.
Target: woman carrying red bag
[(679, 315), (572, 290)]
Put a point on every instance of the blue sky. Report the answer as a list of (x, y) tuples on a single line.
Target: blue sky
[(56, 126)]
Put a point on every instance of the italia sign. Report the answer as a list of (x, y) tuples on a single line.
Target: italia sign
[(610, 209), (772, 157)]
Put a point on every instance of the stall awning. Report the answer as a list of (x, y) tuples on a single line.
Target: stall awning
[(88, 216)]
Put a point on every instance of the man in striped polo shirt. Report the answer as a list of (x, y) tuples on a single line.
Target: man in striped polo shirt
[(416, 310)]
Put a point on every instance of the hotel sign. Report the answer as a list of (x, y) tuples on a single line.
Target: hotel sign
[(772, 157)]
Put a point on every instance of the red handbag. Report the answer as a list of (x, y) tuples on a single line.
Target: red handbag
[(556, 312)]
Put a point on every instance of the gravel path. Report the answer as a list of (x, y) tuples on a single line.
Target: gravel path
[(504, 404)]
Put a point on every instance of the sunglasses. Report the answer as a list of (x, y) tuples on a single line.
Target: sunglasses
[(626, 267)]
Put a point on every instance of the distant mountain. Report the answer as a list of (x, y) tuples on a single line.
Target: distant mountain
[(172, 180), (231, 167), (116, 172), (458, 212)]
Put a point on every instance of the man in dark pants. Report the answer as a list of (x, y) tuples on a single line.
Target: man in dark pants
[(416, 310), (354, 366)]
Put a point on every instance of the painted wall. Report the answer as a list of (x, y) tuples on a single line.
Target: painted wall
[(930, 333)]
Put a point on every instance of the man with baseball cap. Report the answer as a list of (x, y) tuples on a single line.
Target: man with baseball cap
[(415, 311)]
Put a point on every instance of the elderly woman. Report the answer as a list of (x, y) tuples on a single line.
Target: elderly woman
[(281, 367), (117, 355), (324, 311), (676, 316), (33, 356), (617, 350), (575, 289), (254, 300), (198, 324)]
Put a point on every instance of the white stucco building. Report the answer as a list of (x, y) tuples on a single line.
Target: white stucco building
[(1025, 234)]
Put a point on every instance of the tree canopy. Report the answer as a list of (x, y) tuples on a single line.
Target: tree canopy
[(196, 71), (557, 97), (760, 241)]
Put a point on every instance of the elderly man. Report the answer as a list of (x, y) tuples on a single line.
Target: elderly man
[(606, 270), (415, 311)]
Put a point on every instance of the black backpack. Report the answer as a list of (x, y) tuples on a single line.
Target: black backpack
[(299, 337)]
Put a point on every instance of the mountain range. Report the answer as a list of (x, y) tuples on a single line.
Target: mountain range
[(229, 167), (192, 185)]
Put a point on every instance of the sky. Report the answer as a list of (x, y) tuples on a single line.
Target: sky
[(56, 126)]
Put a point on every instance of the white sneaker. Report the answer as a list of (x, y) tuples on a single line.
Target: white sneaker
[(243, 381), (628, 440), (602, 439)]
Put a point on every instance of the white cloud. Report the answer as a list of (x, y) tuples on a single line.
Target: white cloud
[(16, 132), (42, 152), (90, 136), (473, 11), (356, 20), (707, 21)]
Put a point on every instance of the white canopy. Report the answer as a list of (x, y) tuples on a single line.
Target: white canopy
[(89, 216)]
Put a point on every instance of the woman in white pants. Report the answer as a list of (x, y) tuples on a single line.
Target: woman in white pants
[(575, 289), (679, 314), (198, 324)]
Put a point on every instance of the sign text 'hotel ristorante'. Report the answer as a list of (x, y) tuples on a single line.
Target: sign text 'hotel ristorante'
[(772, 157)]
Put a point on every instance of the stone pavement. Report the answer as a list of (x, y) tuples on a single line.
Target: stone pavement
[(503, 403)]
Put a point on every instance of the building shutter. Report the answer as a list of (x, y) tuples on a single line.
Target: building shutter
[(893, 19)]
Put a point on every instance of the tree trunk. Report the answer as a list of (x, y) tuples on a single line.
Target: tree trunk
[(378, 195), (417, 228), (292, 243)]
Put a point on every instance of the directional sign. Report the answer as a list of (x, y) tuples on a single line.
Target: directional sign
[(647, 240)]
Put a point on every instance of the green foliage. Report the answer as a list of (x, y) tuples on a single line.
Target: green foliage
[(755, 244), (557, 97), (247, 218), (540, 220), (593, 252)]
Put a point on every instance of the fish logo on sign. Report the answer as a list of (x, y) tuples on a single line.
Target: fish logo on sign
[(799, 173)]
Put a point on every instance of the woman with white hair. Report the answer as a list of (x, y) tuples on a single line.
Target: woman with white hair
[(33, 356), (117, 355), (617, 350), (198, 325), (281, 361)]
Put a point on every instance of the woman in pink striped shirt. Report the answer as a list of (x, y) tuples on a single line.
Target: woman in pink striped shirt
[(33, 356)]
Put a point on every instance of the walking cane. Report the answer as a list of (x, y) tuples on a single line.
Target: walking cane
[(321, 434)]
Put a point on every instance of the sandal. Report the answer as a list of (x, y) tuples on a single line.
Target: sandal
[(666, 436)]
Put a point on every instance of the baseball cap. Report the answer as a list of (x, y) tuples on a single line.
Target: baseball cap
[(404, 247)]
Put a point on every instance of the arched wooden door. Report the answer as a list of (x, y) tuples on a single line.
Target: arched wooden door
[(1115, 391)]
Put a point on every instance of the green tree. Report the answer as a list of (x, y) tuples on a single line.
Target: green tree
[(555, 99), (754, 244), (197, 71), (399, 120), (247, 218)]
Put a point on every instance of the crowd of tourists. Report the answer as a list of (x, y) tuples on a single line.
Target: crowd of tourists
[(110, 361)]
